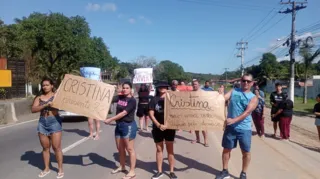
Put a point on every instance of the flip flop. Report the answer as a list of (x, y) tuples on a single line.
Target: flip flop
[(96, 138), (118, 170), (195, 141), (206, 145), (43, 174), (60, 175), (129, 177)]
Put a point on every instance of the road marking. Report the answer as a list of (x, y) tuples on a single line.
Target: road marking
[(13, 111), (77, 143), (12, 125)]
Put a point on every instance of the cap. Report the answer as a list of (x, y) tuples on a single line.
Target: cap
[(162, 84)]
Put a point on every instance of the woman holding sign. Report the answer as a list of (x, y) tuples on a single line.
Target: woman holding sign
[(160, 131), (126, 129), (49, 127)]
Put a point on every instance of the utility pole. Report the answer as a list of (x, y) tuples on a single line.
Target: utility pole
[(242, 47), (293, 11), (226, 74)]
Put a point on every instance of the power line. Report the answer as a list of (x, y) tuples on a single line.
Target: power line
[(254, 28), (262, 26), (273, 25)]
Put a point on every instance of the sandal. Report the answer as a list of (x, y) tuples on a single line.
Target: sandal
[(195, 141), (118, 170), (96, 138), (60, 175), (43, 174), (129, 177), (206, 145)]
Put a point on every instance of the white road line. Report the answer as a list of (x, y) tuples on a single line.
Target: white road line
[(13, 111), (77, 143), (16, 124)]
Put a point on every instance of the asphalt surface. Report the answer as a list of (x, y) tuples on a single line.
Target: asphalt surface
[(21, 157)]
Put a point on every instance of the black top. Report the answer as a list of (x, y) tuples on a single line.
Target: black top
[(287, 107), (157, 105), (126, 104), (316, 108), (143, 96), (277, 99)]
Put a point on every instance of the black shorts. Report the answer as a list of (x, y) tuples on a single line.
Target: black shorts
[(275, 119), (160, 136), (143, 110)]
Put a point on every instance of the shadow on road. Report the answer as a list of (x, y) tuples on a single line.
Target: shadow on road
[(315, 149), (35, 159), (190, 163), (80, 132)]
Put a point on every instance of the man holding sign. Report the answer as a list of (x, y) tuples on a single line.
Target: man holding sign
[(238, 125)]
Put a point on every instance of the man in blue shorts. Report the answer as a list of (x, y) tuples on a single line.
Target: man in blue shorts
[(238, 125)]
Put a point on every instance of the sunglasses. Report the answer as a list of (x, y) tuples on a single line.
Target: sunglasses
[(248, 81)]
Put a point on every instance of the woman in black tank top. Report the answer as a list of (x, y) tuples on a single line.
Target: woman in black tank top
[(49, 126)]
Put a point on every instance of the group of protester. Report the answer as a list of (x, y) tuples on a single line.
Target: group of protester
[(241, 103)]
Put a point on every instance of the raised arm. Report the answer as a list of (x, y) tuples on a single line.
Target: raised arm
[(227, 96)]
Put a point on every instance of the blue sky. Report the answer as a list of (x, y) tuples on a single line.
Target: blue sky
[(200, 35)]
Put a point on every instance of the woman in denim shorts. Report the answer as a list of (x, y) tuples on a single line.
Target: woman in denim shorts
[(126, 129), (49, 127)]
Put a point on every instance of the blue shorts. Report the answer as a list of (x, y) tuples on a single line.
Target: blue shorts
[(125, 130), (231, 136), (317, 122), (49, 125)]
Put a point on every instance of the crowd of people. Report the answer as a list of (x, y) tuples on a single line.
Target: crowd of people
[(244, 105)]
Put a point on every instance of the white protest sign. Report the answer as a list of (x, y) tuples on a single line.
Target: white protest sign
[(143, 75)]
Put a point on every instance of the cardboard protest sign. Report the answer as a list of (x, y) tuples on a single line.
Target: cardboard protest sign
[(142, 75), (84, 96), (195, 110)]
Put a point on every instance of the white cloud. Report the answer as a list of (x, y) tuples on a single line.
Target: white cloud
[(147, 21), (109, 7), (120, 16), (132, 20), (93, 7), (103, 7)]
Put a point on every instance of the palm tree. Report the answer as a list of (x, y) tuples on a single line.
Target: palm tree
[(308, 58)]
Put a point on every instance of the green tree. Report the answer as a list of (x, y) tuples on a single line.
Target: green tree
[(269, 66), (168, 70), (308, 58), (57, 43)]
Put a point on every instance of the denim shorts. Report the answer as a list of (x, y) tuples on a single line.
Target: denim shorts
[(126, 130), (231, 136), (317, 122), (49, 125)]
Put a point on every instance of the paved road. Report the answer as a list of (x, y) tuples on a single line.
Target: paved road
[(21, 156)]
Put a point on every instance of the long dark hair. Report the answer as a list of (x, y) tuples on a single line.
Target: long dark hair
[(145, 88), (50, 81)]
